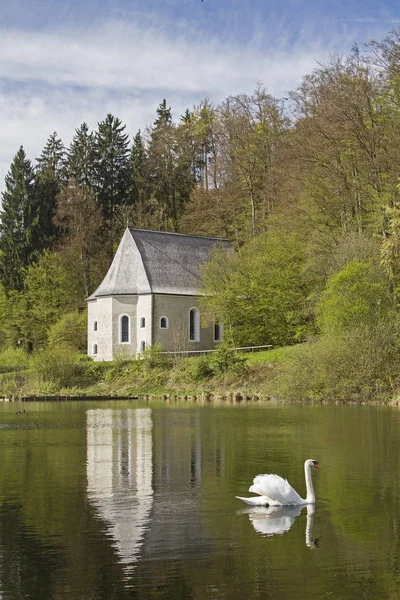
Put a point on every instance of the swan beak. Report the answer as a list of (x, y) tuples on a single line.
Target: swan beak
[(317, 467)]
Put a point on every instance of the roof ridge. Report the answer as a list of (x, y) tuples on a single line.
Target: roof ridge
[(189, 235)]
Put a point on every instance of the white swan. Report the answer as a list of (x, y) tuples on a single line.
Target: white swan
[(273, 490)]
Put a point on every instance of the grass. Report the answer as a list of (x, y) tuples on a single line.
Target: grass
[(265, 357)]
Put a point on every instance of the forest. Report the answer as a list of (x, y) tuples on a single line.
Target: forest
[(306, 187)]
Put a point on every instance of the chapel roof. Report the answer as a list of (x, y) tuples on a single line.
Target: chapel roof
[(158, 262)]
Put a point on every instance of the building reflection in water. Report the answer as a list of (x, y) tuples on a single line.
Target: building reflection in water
[(119, 476)]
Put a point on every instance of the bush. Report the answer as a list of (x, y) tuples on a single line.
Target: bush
[(225, 360), (153, 358), (361, 364), (215, 364), (13, 360), (56, 368), (201, 368), (70, 331)]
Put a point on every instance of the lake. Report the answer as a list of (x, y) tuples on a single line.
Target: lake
[(128, 500)]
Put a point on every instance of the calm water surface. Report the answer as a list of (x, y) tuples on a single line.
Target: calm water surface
[(118, 500)]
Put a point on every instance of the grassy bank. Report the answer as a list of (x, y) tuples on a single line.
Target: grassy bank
[(321, 371)]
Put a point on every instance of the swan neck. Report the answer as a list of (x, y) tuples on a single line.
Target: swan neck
[(309, 485)]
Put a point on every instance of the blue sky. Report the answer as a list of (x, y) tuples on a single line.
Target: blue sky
[(68, 61)]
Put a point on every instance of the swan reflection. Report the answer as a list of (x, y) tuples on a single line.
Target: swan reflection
[(119, 475), (276, 520)]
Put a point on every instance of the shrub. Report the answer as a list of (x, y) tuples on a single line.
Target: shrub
[(70, 330), (201, 368), (225, 360), (361, 364), (56, 368), (13, 359), (153, 358)]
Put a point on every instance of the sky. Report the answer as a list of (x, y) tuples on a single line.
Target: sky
[(63, 62)]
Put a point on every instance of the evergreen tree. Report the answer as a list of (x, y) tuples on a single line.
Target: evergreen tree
[(80, 164), (170, 169), (112, 165), (50, 174), (139, 182), (18, 223)]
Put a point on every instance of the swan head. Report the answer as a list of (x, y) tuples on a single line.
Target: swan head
[(311, 463)]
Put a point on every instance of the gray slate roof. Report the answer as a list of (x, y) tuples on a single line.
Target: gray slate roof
[(157, 262)]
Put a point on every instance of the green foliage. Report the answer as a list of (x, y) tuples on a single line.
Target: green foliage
[(220, 362), (153, 358), (355, 296), (225, 360), (18, 223), (47, 294), (260, 293), (13, 360), (201, 368), (112, 165), (360, 365), (69, 331), (55, 368)]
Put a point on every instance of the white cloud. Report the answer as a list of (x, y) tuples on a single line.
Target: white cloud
[(53, 81)]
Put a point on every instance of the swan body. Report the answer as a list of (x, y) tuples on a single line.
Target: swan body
[(277, 520), (273, 490)]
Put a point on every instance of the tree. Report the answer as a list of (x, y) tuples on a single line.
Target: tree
[(355, 296), (82, 237), (18, 223), (170, 169), (49, 176), (80, 164), (112, 166), (48, 292), (259, 294)]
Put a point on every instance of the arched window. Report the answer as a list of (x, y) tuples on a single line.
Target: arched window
[(218, 328), (94, 349), (142, 322), (194, 325), (164, 322), (124, 329), (94, 325), (142, 346)]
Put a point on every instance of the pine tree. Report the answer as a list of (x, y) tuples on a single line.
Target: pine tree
[(162, 166), (80, 164), (18, 222), (50, 175), (112, 165), (139, 182)]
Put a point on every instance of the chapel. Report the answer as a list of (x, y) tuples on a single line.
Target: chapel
[(150, 295)]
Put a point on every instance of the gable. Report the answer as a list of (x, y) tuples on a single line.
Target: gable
[(126, 274)]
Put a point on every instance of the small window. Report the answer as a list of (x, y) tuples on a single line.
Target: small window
[(142, 322), (94, 325), (164, 323), (94, 349), (124, 330), (142, 346), (218, 327), (194, 325)]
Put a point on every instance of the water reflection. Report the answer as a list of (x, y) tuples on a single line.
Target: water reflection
[(119, 475), (276, 520)]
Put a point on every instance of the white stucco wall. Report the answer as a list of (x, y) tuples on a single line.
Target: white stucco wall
[(144, 309), (100, 310), (124, 305), (107, 311), (176, 337)]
